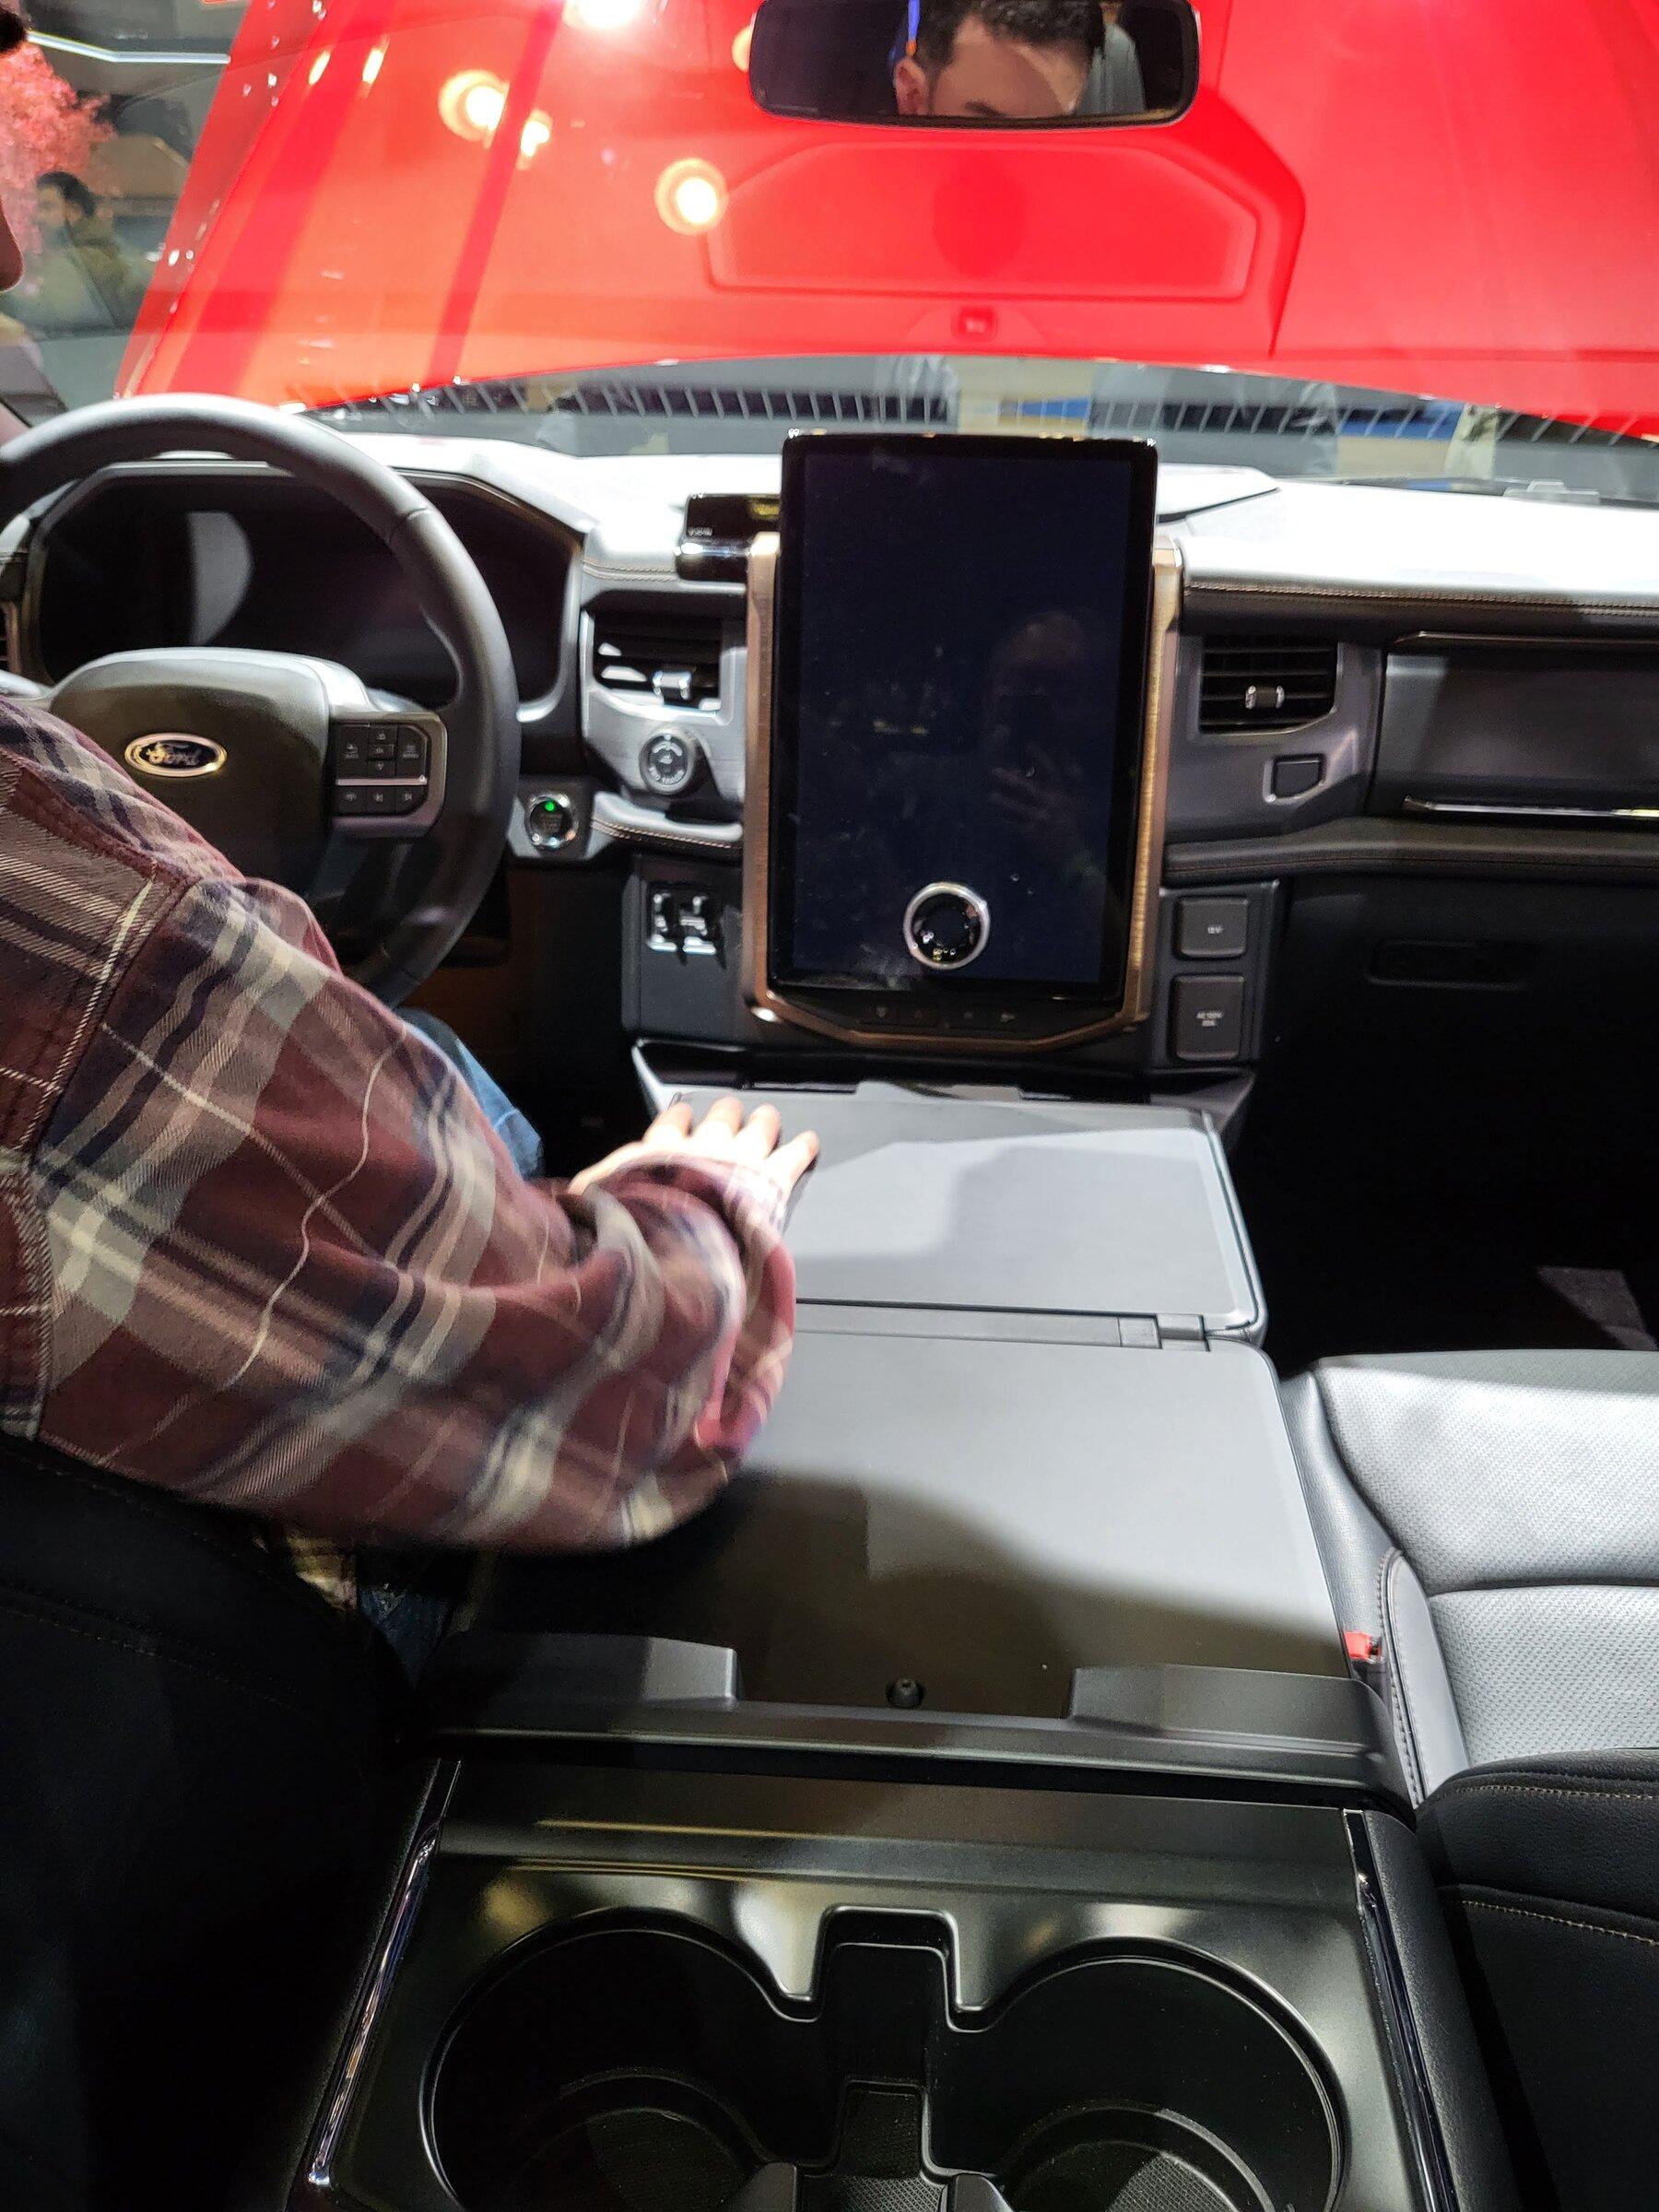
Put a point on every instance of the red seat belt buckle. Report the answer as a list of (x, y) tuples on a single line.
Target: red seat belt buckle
[(1361, 1647)]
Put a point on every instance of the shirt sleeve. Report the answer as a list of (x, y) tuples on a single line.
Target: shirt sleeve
[(294, 1270)]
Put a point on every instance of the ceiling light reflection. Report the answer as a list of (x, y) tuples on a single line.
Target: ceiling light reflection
[(603, 14), (691, 196), (472, 104)]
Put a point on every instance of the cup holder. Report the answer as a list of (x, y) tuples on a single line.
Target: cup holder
[(633, 2066)]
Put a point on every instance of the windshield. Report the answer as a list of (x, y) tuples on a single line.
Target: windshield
[(569, 222)]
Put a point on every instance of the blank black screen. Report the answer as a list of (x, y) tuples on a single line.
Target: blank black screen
[(961, 654)]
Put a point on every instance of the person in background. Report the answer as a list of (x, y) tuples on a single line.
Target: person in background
[(83, 278), (997, 61), (13, 32), (25, 391)]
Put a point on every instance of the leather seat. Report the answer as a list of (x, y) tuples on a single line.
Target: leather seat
[(193, 1750), (1493, 1518), (1492, 1521)]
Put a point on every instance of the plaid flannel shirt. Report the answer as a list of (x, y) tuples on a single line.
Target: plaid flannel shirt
[(259, 1245)]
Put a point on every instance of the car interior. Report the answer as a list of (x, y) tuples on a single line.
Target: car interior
[(1164, 1719)]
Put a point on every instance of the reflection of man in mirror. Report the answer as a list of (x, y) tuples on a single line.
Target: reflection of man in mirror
[(997, 61), (1115, 85)]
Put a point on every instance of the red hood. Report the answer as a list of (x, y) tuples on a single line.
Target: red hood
[(1458, 199)]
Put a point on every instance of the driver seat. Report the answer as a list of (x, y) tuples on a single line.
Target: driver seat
[(193, 1757)]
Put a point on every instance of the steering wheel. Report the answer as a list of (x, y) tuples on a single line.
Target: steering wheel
[(284, 762)]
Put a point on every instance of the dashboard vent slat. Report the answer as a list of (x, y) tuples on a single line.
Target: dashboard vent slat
[(671, 659), (1258, 685)]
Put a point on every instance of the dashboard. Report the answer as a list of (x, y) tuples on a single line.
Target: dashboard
[(237, 557), (1369, 685)]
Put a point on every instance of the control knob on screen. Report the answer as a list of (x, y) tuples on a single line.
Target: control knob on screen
[(947, 925)]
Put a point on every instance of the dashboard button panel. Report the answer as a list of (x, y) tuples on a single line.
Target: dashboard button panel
[(1206, 1017), (682, 918), (1212, 929)]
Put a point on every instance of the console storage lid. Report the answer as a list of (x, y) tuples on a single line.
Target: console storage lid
[(940, 1500), (1004, 1204)]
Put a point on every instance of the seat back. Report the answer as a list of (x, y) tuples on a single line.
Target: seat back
[(191, 1763)]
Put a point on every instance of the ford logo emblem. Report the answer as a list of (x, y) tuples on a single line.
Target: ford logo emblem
[(168, 753)]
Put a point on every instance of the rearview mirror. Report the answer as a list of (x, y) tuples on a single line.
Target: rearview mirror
[(987, 64)]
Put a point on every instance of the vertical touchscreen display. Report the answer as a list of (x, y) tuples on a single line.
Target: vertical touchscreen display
[(960, 657)]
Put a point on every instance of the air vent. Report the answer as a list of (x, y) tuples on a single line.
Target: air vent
[(1258, 685), (672, 660)]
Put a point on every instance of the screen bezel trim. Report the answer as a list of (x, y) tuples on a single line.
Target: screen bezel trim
[(1061, 1017)]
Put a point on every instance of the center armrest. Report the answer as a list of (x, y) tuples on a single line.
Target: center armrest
[(940, 1500)]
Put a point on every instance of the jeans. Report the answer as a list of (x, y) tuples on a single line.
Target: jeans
[(407, 1595), (505, 1119)]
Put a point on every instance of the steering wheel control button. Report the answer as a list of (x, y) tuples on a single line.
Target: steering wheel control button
[(947, 925), (668, 763), (1212, 929), (1208, 1018), (1295, 776), (380, 771), (550, 821)]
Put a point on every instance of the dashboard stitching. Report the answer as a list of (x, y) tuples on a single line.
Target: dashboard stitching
[(1410, 595), (1218, 861), (667, 840)]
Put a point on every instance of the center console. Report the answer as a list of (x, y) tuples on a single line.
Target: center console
[(976, 1809), (613, 1989)]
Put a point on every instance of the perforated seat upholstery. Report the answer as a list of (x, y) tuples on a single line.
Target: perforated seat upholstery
[(1492, 1519)]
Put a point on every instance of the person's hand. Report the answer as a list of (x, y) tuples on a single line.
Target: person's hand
[(723, 1134)]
